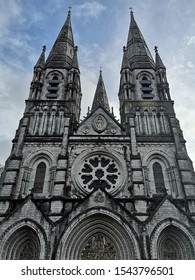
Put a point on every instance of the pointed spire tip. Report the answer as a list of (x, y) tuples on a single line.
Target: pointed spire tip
[(100, 97), (59, 55)]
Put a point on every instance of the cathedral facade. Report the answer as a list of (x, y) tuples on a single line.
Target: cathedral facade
[(98, 188)]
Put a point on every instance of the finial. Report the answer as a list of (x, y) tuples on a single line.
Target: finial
[(131, 11), (44, 48), (76, 49), (124, 48), (156, 49), (69, 10), (100, 70)]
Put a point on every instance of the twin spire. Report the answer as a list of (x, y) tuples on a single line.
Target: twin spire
[(136, 53), (64, 55)]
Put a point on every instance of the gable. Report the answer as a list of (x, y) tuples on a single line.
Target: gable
[(99, 122), (27, 210), (100, 201), (166, 210)]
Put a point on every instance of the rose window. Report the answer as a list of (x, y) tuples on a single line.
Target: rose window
[(99, 170)]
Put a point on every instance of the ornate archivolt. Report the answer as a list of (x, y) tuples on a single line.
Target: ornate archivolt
[(23, 241), (171, 240), (98, 236)]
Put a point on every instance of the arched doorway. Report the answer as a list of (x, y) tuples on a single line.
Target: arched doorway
[(23, 244), (98, 236), (171, 240), (174, 244)]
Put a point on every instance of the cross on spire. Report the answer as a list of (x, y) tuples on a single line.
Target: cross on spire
[(131, 11), (69, 10)]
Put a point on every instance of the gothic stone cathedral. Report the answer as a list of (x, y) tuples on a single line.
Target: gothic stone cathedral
[(98, 189)]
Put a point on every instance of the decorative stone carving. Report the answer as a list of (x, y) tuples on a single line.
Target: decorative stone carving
[(86, 129), (113, 130), (99, 247), (99, 123), (99, 198)]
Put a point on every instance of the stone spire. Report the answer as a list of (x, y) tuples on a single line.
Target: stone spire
[(62, 52), (41, 61), (139, 55), (100, 98), (159, 63)]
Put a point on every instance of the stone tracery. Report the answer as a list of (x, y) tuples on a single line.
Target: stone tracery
[(99, 168)]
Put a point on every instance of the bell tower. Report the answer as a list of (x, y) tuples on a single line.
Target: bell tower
[(52, 112), (148, 115), (56, 81)]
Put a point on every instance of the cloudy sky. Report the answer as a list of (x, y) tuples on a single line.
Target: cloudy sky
[(100, 31)]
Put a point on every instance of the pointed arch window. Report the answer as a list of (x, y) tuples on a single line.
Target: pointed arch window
[(158, 178), (39, 178)]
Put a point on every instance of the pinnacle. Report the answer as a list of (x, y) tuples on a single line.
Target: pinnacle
[(41, 61), (75, 63), (159, 63)]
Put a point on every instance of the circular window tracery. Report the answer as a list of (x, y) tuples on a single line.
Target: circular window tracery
[(99, 169)]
